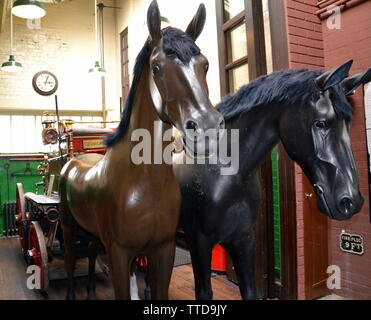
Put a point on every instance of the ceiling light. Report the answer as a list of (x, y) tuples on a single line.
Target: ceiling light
[(11, 65), (28, 9)]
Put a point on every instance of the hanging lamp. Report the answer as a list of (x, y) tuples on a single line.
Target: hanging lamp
[(11, 65), (97, 70), (28, 9)]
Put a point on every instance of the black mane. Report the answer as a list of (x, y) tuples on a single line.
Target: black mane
[(176, 44), (286, 86)]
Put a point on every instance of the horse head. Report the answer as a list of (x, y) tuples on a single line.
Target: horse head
[(317, 138), (177, 78)]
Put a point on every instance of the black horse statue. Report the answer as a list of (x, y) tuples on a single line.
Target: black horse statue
[(308, 111)]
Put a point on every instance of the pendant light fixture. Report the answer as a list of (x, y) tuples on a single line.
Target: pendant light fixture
[(28, 9), (11, 65), (98, 69)]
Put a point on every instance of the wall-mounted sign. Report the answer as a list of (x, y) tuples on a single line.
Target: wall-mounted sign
[(351, 243)]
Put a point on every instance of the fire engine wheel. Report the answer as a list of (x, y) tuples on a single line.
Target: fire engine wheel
[(37, 253), (21, 218)]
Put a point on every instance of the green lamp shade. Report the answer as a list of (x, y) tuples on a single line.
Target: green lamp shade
[(97, 70), (28, 9), (11, 65)]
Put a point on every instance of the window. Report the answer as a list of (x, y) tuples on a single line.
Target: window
[(367, 98), (267, 36), (368, 117), (241, 42)]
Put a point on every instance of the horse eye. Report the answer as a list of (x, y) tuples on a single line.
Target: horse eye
[(207, 67), (320, 124), (156, 69)]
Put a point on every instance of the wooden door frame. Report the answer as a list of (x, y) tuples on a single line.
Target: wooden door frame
[(289, 289)]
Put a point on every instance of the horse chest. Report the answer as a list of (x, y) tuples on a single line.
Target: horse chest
[(141, 232), (141, 216)]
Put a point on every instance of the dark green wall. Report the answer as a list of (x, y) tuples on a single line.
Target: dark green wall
[(15, 169), (276, 212)]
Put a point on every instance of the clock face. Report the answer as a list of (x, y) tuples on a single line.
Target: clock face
[(45, 83)]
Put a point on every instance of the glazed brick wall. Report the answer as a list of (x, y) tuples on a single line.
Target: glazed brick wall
[(29, 48), (306, 50), (353, 41)]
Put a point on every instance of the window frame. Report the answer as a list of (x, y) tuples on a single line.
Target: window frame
[(256, 57)]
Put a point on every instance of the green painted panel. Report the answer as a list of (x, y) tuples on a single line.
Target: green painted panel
[(15, 169), (277, 214)]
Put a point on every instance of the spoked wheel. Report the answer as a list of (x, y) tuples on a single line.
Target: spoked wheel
[(21, 218), (37, 254)]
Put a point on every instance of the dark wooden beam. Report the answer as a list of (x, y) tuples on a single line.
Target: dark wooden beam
[(255, 38), (224, 87), (286, 165)]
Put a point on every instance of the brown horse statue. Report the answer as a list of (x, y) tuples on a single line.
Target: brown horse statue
[(134, 208)]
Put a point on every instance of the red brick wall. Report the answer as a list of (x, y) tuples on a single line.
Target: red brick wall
[(305, 51), (353, 41), (312, 45)]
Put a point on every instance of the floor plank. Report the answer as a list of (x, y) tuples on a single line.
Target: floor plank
[(13, 281)]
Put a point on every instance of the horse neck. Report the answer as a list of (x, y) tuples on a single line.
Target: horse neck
[(143, 117), (259, 133)]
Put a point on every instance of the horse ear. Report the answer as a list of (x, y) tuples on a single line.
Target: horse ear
[(198, 23), (154, 21), (334, 76), (352, 83)]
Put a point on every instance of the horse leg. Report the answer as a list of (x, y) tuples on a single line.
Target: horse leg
[(242, 252), (93, 253), (201, 250), (120, 264), (147, 290), (134, 293), (160, 267), (69, 240)]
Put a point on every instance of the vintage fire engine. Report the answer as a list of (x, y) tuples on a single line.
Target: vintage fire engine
[(38, 214)]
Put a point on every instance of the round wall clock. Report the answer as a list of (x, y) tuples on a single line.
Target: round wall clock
[(45, 83)]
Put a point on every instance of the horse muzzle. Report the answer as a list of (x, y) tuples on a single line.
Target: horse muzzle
[(202, 137), (342, 207)]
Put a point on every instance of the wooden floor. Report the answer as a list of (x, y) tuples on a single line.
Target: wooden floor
[(13, 281)]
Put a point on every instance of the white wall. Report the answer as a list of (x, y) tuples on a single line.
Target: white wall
[(64, 45), (22, 133), (180, 13)]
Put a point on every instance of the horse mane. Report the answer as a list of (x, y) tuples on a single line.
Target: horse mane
[(285, 86), (176, 44)]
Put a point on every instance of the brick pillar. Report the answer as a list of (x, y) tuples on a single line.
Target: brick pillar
[(305, 41)]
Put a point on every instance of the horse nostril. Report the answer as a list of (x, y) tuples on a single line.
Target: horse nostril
[(191, 125), (346, 204)]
